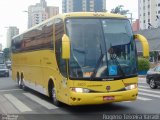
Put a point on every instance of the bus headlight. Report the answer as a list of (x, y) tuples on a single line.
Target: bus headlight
[(131, 86), (80, 90)]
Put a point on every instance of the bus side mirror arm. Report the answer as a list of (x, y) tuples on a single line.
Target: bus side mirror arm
[(145, 45), (65, 47)]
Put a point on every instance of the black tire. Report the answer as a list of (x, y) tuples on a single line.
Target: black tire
[(53, 96), (152, 84), (23, 85), (19, 82)]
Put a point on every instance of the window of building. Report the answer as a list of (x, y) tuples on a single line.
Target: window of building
[(148, 13), (148, 20), (91, 9), (143, 7), (144, 21), (159, 12), (158, 4)]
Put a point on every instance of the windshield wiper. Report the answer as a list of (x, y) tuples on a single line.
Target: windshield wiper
[(97, 66)]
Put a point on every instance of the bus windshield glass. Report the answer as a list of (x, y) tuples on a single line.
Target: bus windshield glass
[(101, 48)]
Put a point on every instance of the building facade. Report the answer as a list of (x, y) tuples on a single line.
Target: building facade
[(135, 25), (40, 12), (149, 13), (11, 32), (83, 5), (153, 39)]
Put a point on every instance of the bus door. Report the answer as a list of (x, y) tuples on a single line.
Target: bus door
[(62, 64)]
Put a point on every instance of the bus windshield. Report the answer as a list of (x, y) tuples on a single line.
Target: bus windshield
[(101, 48)]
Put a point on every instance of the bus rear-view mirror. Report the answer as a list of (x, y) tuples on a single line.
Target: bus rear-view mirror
[(145, 45), (65, 47)]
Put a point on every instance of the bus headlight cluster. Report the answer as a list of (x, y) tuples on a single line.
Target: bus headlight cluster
[(80, 90), (131, 86)]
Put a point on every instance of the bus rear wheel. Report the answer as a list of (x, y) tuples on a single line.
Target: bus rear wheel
[(23, 84), (19, 82)]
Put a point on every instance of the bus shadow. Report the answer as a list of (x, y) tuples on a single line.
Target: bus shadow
[(91, 109), (88, 109)]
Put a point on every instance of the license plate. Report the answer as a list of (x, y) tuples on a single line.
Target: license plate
[(108, 98)]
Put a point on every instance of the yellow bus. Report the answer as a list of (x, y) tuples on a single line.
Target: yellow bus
[(79, 58)]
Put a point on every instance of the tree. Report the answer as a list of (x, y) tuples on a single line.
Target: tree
[(119, 10), (143, 64), (6, 53)]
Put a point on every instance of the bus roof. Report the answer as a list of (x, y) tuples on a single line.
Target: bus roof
[(78, 14), (94, 14)]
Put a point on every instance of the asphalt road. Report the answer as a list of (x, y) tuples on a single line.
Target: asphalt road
[(30, 105)]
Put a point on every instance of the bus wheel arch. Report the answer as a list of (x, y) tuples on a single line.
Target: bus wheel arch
[(53, 93)]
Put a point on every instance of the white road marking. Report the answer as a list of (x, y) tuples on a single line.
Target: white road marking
[(147, 94), (10, 90), (6, 107), (141, 82), (143, 98), (17, 103), (149, 90), (40, 101), (127, 101), (141, 78), (140, 86)]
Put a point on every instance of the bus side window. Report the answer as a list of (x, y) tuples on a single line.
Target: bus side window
[(16, 44), (59, 31)]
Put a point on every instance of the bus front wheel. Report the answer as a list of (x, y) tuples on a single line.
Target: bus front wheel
[(54, 96)]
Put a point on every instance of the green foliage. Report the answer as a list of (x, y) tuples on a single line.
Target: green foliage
[(143, 64), (6, 52), (119, 10)]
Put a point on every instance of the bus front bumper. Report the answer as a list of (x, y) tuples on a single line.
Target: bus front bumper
[(102, 98)]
